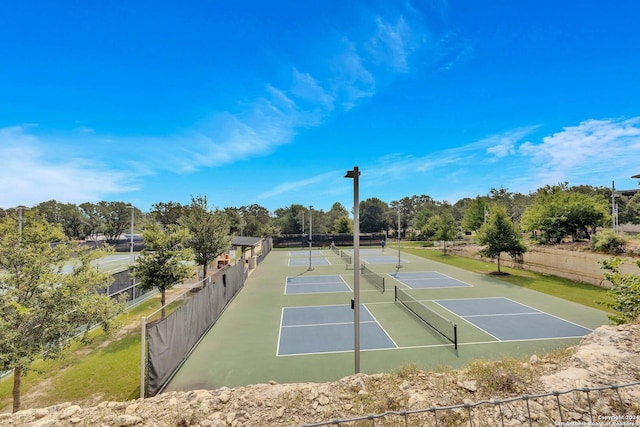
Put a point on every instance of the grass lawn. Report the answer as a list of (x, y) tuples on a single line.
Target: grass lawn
[(108, 369), (104, 369)]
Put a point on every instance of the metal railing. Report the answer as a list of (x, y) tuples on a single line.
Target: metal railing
[(436, 416)]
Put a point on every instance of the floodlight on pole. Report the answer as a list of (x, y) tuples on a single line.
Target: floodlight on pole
[(355, 174), (636, 176)]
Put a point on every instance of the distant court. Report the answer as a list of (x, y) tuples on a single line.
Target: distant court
[(315, 284), (427, 280)]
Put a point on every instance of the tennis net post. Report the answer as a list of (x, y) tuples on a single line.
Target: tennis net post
[(345, 257), (373, 278), (433, 319)]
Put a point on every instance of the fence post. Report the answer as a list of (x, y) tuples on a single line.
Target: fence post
[(143, 357), (557, 395)]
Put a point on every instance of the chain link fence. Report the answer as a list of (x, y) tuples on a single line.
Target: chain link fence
[(573, 407)]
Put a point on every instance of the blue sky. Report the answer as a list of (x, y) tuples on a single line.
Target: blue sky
[(272, 102)]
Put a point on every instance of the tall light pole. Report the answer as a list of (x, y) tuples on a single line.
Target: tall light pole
[(310, 234), (355, 174), (399, 263), (133, 209)]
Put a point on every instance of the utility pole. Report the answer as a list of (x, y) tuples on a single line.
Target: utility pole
[(614, 207)]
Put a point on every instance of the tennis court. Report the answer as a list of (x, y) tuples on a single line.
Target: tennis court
[(508, 320), (112, 263), (305, 253), (315, 284), (314, 261), (383, 259), (328, 329), (295, 324), (427, 280)]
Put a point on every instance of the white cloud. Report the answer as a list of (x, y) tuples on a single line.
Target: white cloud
[(592, 147), (392, 44), (297, 185), (504, 144), (274, 118), (30, 175), (352, 81), (307, 89)]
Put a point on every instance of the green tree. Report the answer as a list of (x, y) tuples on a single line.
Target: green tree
[(558, 212), (209, 231), (625, 290), (116, 218), (372, 215), (632, 209), (343, 225), (68, 215), (514, 203), (257, 221), (165, 260), (337, 212), (236, 222), (167, 213), (290, 219), (499, 234), (422, 217), (474, 215), (441, 227), (42, 303), (92, 221)]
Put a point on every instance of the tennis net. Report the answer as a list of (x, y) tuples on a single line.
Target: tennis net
[(373, 278), (335, 249), (436, 321), (345, 257)]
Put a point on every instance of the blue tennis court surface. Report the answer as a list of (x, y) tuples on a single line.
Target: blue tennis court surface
[(315, 284), (427, 280), (384, 259), (507, 320), (305, 253), (328, 329), (369, 251), (301, 261)]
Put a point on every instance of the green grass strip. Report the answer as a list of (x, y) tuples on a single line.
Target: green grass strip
[(102, 370)]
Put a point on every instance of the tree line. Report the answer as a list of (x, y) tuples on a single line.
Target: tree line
[(550, 214)]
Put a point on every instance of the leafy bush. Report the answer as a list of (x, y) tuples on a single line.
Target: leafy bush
[(608, 242), (625, 289)]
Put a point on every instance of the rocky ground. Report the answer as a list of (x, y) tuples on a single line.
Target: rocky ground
[(608, 356)]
